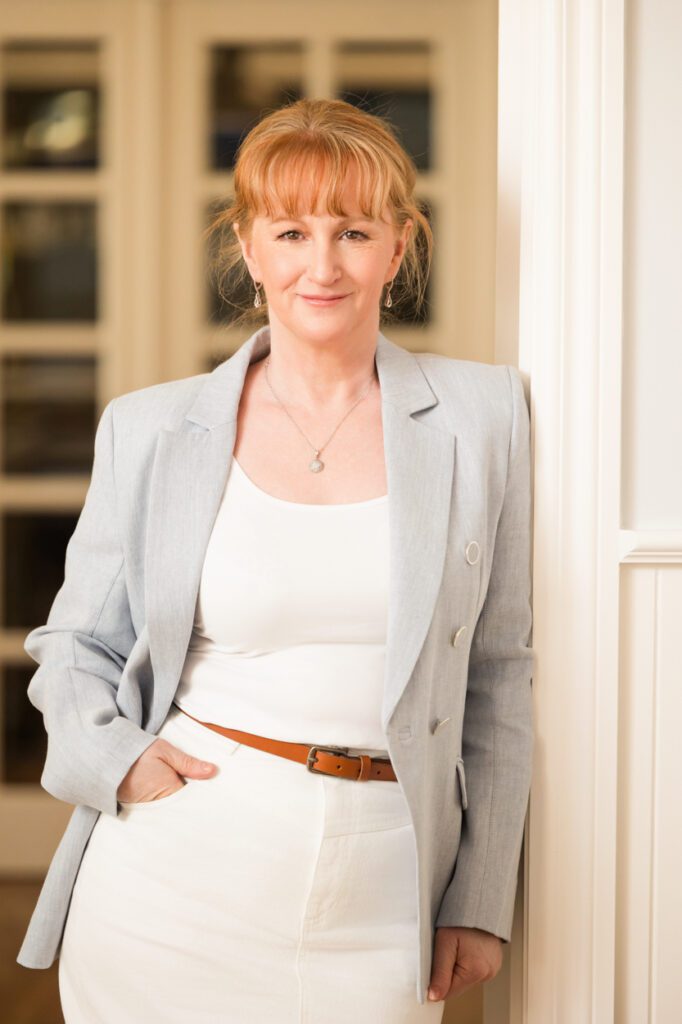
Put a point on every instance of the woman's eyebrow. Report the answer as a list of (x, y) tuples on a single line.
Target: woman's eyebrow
[(339, 220)]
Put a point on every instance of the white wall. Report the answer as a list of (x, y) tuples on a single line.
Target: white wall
[(652, 293)]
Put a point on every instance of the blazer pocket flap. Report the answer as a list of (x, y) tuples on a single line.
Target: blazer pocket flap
[(462, 783)]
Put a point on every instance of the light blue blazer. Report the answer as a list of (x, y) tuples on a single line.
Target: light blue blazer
[(457, 708)]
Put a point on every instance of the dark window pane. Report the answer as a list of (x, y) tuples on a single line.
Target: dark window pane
[(51, 104), (50, 261), (24, 741), (392, 80), (34, 559), (246, 82), (49, 413)]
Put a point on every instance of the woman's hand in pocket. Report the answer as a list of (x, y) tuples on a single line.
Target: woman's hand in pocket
[(158, 773)]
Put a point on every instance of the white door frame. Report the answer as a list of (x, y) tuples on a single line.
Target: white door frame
[(559, 318)]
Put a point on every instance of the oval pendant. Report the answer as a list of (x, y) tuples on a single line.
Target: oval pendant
[(315, 466)]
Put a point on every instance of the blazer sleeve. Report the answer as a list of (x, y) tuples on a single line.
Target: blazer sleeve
[(497, 738), (82, 650)]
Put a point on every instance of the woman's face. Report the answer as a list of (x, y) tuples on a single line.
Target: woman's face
[(302, 263)]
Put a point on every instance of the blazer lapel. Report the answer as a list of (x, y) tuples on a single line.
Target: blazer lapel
[(188, 476), (420, 462), (188, 479)]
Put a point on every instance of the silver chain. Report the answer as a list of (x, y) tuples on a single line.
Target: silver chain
[(316, 464)]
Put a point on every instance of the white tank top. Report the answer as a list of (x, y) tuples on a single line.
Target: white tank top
[(289, 632)]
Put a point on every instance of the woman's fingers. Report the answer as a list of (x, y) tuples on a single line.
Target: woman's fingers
[(183, 763), (157, 772), (463, 957)]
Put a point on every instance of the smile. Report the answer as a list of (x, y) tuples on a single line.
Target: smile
[(323, 302)]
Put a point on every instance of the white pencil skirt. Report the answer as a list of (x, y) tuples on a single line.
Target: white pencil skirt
[(264, 895)]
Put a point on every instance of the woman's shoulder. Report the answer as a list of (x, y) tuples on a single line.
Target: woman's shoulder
[(465, 370), (157, 405), (472, 386)]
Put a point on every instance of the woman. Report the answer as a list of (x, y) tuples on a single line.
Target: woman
[(295, 605)]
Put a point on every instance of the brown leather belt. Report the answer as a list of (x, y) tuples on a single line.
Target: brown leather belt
[(318, 759)]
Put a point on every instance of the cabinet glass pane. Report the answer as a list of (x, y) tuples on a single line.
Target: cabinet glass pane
[(392, 80), (51, 105), (50, 261), (49, 413), (246, 82), (24, 740), (34, 555)]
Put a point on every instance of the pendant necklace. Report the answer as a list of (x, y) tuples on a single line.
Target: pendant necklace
[(315, 465)]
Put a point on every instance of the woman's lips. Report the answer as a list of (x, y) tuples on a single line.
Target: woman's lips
[(323, 302)]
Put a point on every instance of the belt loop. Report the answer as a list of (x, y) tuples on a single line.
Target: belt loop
[(365, 764)]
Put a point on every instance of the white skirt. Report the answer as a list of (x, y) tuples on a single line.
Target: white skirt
[(264, 895)]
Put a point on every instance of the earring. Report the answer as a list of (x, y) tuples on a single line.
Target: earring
[(257, 299), (389, 301)]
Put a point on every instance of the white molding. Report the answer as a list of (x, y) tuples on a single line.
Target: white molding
[(651, 547), (568, 101)]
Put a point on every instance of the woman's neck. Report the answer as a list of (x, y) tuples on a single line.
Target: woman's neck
[(308, 378)]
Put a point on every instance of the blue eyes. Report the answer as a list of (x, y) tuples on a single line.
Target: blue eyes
[(348, 231)]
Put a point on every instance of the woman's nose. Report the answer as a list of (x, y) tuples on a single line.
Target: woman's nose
[(323, 263)]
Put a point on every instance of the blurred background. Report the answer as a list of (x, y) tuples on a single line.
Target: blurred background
[(119, 125)]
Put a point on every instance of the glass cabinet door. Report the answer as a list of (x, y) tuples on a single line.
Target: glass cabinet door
[(50, 353)]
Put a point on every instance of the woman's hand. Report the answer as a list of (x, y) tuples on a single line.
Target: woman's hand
[(157, 773), (461, 958)]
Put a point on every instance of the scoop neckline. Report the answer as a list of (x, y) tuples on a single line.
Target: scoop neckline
[(304, 504)]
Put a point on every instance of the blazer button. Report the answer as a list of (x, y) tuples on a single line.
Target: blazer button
[(456, 637), (472, 552)]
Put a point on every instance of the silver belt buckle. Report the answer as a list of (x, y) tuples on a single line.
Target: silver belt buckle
[(311, 759)]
